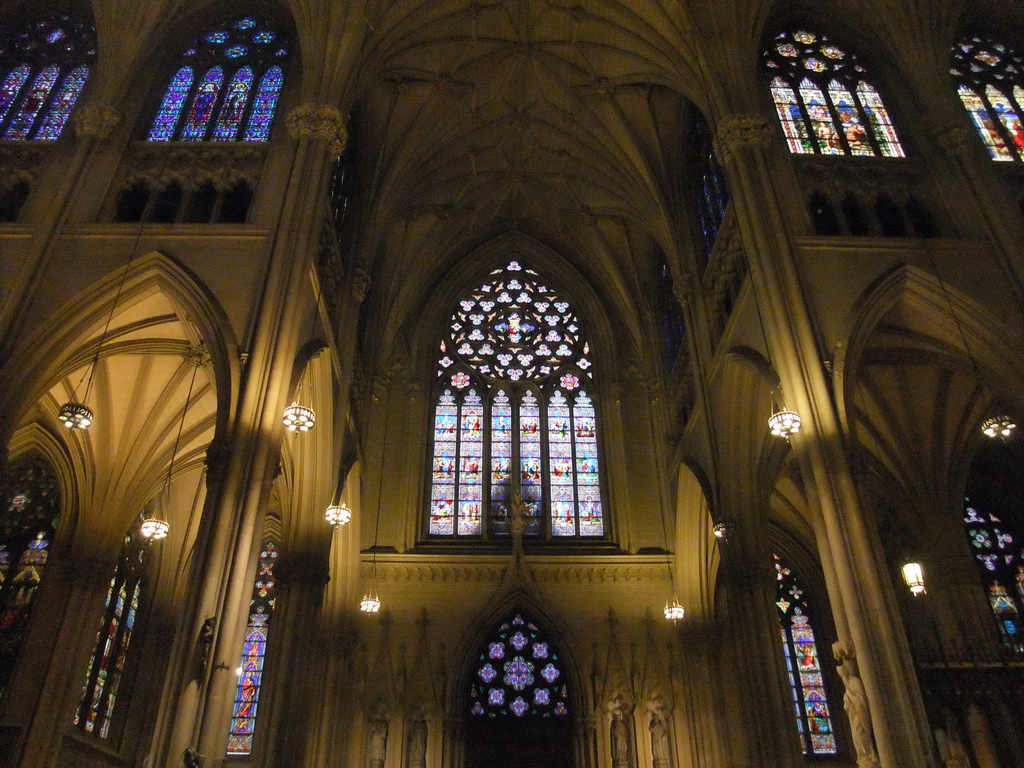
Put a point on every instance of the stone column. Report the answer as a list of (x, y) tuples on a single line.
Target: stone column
[(900, 724)]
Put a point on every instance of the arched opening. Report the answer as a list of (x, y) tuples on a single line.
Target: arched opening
[(518, 708)]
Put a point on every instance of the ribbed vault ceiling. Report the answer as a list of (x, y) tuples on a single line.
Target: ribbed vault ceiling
[(564, 123)]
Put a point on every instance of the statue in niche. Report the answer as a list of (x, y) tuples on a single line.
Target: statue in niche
[(377, 742), (855, 702), (619, 733), (204, 647), (660, 750), (417, 757)]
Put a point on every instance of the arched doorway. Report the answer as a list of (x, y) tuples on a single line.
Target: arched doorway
[(518, 713)]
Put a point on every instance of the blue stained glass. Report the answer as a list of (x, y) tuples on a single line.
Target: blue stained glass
[(55, 35), (235, 51), (11, 88), (170, 108), (32, 103), (264, 104), (245, 23), (263, 37), (203, 103), (233, 107), (61, 106), (217, 37)]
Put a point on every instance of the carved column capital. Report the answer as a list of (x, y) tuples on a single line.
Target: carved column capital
[(738, 131), (96, 121), (955, 140), (319, 121)]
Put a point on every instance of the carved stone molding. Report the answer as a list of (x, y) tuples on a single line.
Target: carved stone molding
[(571, 573), (360, 285), (836, 176), (736, 132), (19, 162), (319, 121), (159, 166), (96, 121), (956, 140)]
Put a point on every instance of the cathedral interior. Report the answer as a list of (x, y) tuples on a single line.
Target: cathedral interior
[(486, 383)]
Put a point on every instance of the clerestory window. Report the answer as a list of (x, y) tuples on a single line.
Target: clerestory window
[(825, 100), (44, 66), (990, 83), (514, 417), (226, 87)]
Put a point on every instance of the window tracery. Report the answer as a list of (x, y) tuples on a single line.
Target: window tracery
[(44, 68), (518, 674), (990, 83), (806, 682), (999, 553), (254, 651), (106, 669), (28, 520), (512, 416), (226, 87), (824, 100)]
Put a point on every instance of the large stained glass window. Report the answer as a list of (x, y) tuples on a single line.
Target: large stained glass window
[(518, 674), (803, 665), (43, 68), (106, 668), (254, 650), (513, 416), (28, 517), (824, 101), (1000, 557), (712, 195), (990, 83), (226, 85)]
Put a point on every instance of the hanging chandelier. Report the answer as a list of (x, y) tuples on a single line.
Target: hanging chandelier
[(724, 529), (784, 423), (913, 575), (299, 418), (998, 426), (338, 514), (674, 611), (75, 415), (370, 603), (155, 529)]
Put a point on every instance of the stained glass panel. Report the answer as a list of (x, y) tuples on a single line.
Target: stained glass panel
[(878, 118), (1006, 115), (588, 480), (106, 668), (62, 104), (233, 107), (203, 102), (254, 650), (442, 503), (29, 507), (813, 717), (471, 457), (11, 87), (501, 461), (32, 103), (853, 130), (560, 469), (518, 674), (984, 123), (264, 105), (793, 124), (822, 125), (166, 120)]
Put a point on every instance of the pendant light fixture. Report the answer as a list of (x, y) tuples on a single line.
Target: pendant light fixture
[(338, 515), (300, 418), (153, 527), (783, 422), (913, 575), (76, 414), (724, 529), (371, 601)]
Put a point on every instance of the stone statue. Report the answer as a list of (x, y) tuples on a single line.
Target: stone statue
[(204, 646), (189, 758), (659, 740), (855, 702), (619, 735)]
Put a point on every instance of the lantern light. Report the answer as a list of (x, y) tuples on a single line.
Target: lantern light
[(913, 575)]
